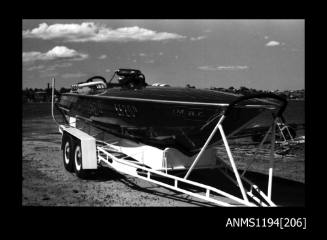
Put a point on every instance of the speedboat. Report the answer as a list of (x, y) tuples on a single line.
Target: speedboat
[(161, 116)]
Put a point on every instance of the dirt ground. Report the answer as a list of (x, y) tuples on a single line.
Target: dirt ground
[(47, 183)]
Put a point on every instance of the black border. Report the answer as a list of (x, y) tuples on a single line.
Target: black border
[(212, 219)]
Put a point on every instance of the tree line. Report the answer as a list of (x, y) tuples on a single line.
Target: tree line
[(40, 95), (288, 94), (44, 95)]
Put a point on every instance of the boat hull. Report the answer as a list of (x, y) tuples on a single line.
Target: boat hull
[(166, 121)]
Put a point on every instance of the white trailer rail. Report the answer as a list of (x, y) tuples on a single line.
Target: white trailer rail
[(83, 157)]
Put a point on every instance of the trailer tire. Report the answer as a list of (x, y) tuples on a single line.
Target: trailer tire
[(77, 162), (67, 151)]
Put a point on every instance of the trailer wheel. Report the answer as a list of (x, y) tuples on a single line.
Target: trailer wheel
[(78, 166), (68, 153)]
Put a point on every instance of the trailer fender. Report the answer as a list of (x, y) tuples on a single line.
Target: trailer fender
[(87, 144)]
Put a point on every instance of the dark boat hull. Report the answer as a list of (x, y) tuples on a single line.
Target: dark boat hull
[(178, 118)]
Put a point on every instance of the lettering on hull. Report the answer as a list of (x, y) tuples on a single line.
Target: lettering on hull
[(189, 113), (95, 109), (125, 110)]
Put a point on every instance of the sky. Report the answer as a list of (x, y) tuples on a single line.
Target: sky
[(259, 54)]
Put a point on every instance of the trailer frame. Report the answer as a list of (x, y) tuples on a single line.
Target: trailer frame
[(104, 152)]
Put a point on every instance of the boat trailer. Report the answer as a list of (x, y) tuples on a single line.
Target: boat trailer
[(83, 152)]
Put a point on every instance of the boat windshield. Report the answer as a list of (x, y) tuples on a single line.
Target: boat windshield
[(127, 78)]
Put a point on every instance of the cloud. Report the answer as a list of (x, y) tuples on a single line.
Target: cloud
[(39, 67), (58, 52), (272, 43), (103, 56), (232, 67), (59, 65), (266, 37), (92, 32), (73, 75), (108, 70), (142, 54), (296, 50), (42, 68), (149, 61), (161, 53), (218, 68), (197, 38), (207, 68), (48, 74)]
